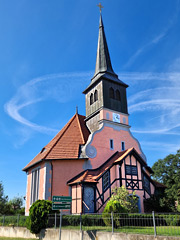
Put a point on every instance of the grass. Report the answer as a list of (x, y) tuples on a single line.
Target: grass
[(161, 231)]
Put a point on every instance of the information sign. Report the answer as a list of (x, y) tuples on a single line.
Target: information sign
[(62, 199), (61, 206)]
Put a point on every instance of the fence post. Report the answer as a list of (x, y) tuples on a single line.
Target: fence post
[(60, 225), (81, 222), (154, 223), (18, 220), (112, 222), (55, 221), (3, 220)]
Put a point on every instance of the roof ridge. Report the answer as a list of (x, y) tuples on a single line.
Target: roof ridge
[(79, 124), (65, 129)]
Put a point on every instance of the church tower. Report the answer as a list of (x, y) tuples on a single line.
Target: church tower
[(106, 110), (106, 95)]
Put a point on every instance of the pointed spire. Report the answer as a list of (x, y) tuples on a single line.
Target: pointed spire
[(103, 61)]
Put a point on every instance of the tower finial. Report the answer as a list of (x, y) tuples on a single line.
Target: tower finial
[(100, 7), (76, 109)]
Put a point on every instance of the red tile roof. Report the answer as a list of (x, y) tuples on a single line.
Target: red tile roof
[(65, 145), (92, 175)]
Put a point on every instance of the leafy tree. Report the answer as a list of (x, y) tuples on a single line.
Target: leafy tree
[(128, 201), (3, 200), (167, 171), (38, 215), (16, 203), (122, 201)]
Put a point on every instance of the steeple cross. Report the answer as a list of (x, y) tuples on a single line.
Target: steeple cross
[(100, 7)]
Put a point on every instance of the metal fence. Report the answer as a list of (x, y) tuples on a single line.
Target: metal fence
[(152, 224), (17, 221)]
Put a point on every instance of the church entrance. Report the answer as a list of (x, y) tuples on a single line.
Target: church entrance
[(88, 200)]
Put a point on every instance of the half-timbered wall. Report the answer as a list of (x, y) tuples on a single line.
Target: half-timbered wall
[(76, 199), (129, 173)]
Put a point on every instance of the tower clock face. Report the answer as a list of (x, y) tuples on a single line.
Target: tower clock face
[(116, 117)]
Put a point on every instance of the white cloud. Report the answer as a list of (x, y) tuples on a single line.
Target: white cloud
[(59, 87), (155, 40), (162, 101)]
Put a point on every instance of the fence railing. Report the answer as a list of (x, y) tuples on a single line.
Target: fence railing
[(152, 224), (16, 220), (167, 224)]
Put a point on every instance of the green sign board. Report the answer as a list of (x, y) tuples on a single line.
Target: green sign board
[(62, 199), (61, 206)]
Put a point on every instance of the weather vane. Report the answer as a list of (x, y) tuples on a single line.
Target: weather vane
[(100, 7)]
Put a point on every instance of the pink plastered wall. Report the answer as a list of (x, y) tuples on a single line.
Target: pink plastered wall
[(76, 199), (101, 141), (64, 170), (103, 115)]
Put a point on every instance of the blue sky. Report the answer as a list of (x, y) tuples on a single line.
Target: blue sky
[(47, 58)]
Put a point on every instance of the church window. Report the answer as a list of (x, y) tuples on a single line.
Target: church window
[(146, 184), (91, 99), (131, 170), (106, 180), (111, 93), (35, 185), (122, 146), (95, 95), (118, 96), (111, 142)]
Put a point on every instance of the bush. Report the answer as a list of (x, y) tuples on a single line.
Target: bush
[(13, 220), (38, 215), (172, 220), (113, 207)]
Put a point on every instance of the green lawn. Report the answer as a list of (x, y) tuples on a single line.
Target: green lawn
[(162, 231)]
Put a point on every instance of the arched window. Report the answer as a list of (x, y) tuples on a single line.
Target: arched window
[(91, 99), (118, 96), (95, 95), (111, 93)]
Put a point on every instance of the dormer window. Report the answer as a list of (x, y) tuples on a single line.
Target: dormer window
[(111, 93), (95, 95), (118, 96), (91, 99)]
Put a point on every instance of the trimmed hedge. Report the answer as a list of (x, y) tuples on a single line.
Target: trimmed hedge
[(13, 220)]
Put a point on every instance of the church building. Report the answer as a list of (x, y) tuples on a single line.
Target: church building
[(92, 154)]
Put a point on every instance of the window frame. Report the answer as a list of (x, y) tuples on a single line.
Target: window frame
[(111, 144), (123, 146), (95, 95), (118, 95), (111, 93), (35, 182), (130, 171), (106, 177), (91, 99)]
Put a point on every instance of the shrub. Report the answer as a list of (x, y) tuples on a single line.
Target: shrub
[(38, 215), (172, 220), (113, 207)]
